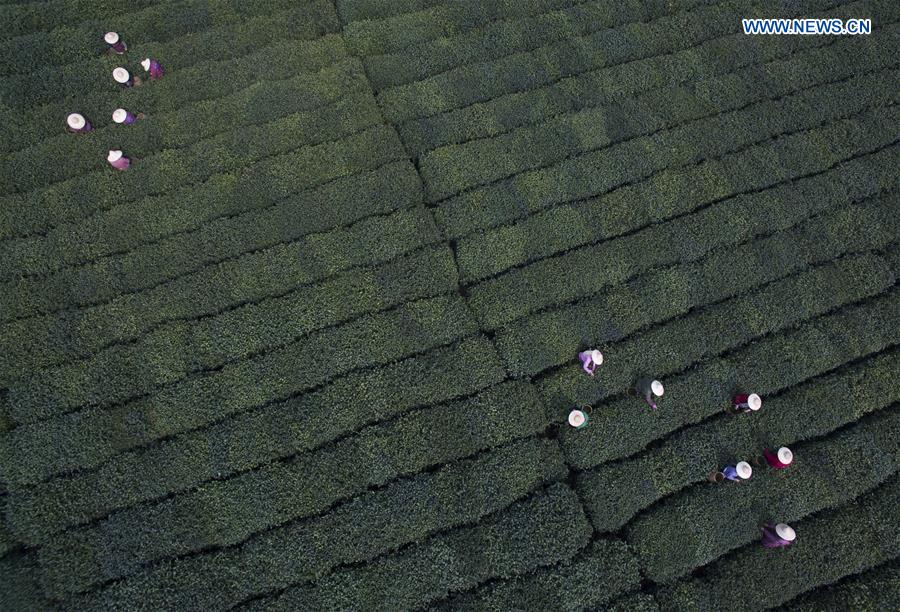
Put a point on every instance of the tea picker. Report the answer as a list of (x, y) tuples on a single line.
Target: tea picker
[(77, 124), (739, 472), (124, 78), (118, 160), (744, 402), (590, 360), (776, 536), (649, 390), (115, 43), (579, 418), (153, 67), (124, 117), (780, 459)]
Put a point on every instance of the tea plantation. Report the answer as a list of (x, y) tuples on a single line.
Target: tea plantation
[(316, 348)]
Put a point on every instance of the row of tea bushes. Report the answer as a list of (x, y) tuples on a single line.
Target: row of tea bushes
[(87, 438), (830, 545), (539, 531), (415, 515)]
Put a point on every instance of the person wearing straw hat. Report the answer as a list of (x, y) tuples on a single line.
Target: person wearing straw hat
[(744, 402), (120, 115), (779, 460), (578, 418), (118, 160), (776, 536), (739, 472), (649, 390), (124, 78), (590, 360), (153, 67), (77, 124), (116, 45)]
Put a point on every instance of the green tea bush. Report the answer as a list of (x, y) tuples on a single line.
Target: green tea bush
[(595, 576), (673, 194), (634, 602), (407, 441), (698, 65), (307, 258), (506, 36), (157, 217), (701, 524), (398, 31), (279, 61), (7, 540), (623, 426), (405, 512), (874, 589), (542, 530), (358, 10), (23, 18), (235, 282), (173, 351), (82, 71), (829, 546), (19, 577), (629, 162), (615, 492), (31, 343), (478, 82), (550, 338), (454, 168), (584, 271), (86, 438)]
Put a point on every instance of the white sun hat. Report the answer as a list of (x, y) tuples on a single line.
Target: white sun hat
[(785, 455), (596, 356), (76, 121), (121, 75), (754, 401), (111, 38), (577, 418), (744, 470), (114, 155), (119, 115), (146, 64), (657, 388), (785, 532)]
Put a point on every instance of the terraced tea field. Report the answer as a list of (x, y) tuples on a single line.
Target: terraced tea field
[(316, 348)]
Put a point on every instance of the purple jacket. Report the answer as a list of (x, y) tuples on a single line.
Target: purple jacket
[(156, 70), (771, 539)]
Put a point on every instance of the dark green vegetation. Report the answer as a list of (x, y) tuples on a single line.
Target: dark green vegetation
[(316, 348)]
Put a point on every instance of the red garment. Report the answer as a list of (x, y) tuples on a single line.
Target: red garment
[(773, 460)]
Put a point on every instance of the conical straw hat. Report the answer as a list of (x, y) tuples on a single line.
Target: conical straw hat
[(785, 455), (597, 356), (121, 75), (744, 470), (119, 115), (76, 121), (114, 155), (657, 388), (754, 401), (785, 532), (576, 418), (111, 38), (146, 64)]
